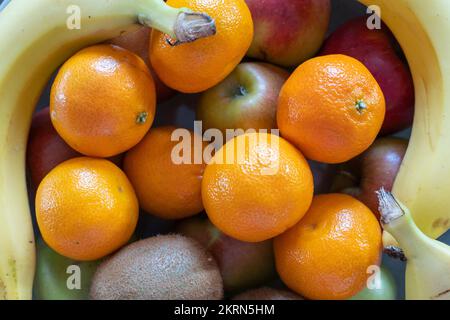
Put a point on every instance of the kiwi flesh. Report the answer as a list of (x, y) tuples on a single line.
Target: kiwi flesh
[(169, 267), (266, 293)]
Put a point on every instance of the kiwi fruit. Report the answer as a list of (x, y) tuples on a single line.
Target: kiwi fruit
[(169, 267), (266, 293)]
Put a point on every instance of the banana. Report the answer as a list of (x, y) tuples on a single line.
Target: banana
[(423, 183), (428, 265), (35, 40)]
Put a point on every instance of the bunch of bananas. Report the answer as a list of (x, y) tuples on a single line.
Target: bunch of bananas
[(36, 39), (423, 183)]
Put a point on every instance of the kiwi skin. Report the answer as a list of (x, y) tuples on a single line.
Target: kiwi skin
[(266, 293), (169, 267)]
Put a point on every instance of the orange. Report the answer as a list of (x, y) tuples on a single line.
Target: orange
[(200, 65), (165, 188), (331, 108), (328, 253), (86, 208), (265, 189), (102, 102)]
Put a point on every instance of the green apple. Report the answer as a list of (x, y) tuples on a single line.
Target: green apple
[(246, 99), (60, 278), (387, 290)]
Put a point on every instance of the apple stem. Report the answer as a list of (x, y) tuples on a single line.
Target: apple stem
[(241, 91)]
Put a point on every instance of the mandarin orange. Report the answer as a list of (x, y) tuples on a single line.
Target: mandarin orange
[(331, 108), (86, 208), (102, 102), (327, 255), (200, 65), (256, 187), (164, 188)]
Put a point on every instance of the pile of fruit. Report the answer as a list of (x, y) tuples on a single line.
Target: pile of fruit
[(289, 184)]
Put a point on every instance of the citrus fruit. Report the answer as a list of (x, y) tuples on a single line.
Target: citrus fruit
[(261, 195), (165, 188), (328, 253), (86, 208), (200, 65), (331, 108), (102, 102)]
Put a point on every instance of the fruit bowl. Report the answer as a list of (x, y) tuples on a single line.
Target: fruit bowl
[(180, 111)]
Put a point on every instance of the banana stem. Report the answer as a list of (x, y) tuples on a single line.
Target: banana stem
[(179, 23), (397, 220)]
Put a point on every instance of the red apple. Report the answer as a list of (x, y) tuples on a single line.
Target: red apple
[(243, 265), (288, 32), (138, 42), (375, 168), (46, 149), (323, 174), (246, 99), (379, 52)]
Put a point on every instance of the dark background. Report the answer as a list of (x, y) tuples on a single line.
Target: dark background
[(179, 111)]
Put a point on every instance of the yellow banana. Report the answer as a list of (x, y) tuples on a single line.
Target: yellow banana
[(37, 36), (36, 39), (423, 183), (428, 265)]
